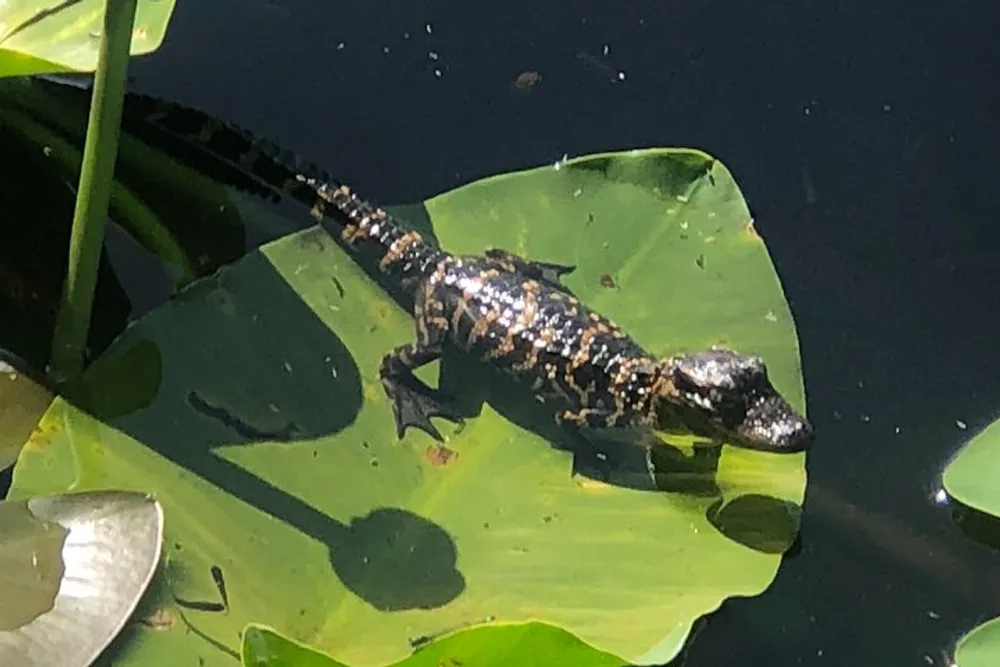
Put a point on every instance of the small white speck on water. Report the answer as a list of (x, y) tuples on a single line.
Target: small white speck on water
[(897, 430), (606, 49), (273, 408), (941, 497), (340, 47), (385, 50), (428, 28), (933, 614), (432, 55), (866, 418), (886, 108), (621, 75), (806, 111), (406, 35), (333, 372), (961, 424), (288, 367), (437, 72)]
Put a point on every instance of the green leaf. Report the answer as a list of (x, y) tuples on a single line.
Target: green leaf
[(23, 401), (981, 647), (525, 645), (43, 36), (72, 568), (971, 477), (265, 647), (267, 436)]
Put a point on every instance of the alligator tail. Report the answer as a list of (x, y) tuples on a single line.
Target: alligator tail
[(254, 164)]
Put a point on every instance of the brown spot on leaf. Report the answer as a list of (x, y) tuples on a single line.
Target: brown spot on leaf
[(161, 619), (607, 280), (439, 455)]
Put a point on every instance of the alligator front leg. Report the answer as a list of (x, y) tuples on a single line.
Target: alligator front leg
[(542, 271)]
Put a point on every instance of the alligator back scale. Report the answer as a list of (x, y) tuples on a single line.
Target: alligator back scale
[(509, 311)]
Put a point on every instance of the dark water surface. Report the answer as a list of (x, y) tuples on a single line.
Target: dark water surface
[(863, 136)]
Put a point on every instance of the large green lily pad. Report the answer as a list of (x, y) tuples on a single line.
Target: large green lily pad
[(261, 426), (972, 475), (41, 36)]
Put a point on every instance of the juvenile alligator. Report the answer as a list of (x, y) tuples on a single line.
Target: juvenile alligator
[(515, 313)]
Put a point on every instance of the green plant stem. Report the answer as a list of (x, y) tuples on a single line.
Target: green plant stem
[(93, 195)]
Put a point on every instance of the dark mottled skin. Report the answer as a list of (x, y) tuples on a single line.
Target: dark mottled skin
[(514, 313)]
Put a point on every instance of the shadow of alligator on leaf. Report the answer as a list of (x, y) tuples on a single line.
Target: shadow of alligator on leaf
[(190, 378)]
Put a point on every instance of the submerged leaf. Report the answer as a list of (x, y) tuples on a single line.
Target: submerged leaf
[(272, 445)]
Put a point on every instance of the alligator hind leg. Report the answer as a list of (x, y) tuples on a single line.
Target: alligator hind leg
[(543, 271), (413, 402)]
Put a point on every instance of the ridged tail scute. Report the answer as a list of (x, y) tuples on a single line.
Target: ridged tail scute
[(258, 165)]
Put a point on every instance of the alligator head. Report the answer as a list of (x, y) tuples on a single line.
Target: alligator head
[(727, 396)]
